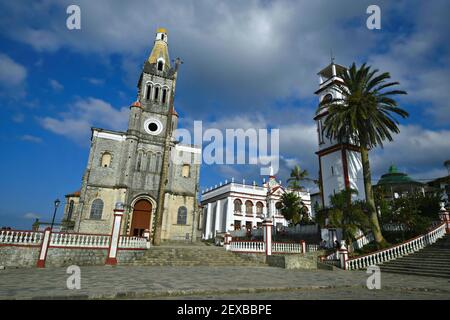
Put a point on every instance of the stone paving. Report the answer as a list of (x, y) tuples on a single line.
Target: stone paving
[(157, 282)]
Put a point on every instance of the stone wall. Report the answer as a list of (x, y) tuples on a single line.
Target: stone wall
[(16, 256), (294, 261), (24, 257)]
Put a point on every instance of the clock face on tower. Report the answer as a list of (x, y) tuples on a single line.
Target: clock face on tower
[(153, 126)]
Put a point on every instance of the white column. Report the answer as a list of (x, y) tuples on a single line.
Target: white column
[(267, 225), (44, 248), (229, 213), (208, 221), (115, 235), (218, 218)]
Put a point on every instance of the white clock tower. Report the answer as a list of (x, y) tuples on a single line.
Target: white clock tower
[(339, 163)]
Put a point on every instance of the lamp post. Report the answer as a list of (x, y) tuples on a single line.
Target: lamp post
[(57, 202)]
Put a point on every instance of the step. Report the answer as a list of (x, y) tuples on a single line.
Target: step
[(417, 269), (411, 263), (418, 273)]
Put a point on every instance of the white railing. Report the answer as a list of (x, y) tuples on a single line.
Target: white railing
[(79, 240), (248, 246), (16, 237), (397, 251), (312, 247), (127, 242), (362, 241), (286, 247)]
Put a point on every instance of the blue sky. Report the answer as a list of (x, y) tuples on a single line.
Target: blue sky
[(246, 64)]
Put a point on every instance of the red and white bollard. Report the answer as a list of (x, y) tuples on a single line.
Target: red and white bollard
[(115, 234), (146, 235), (227, 241), (44, 248), (267, 226), (445, 217), (303, 243), (343, 255)]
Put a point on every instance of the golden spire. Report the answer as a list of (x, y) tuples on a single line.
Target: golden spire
[(160, 51)]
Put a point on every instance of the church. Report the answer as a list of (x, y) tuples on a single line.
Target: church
[(136, 166)]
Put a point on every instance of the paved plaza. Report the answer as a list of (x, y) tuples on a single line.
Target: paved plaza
[(131, 282)]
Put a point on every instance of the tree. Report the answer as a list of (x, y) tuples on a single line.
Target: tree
[(297, 176), (364, 116), (347, 215), (291, 207)]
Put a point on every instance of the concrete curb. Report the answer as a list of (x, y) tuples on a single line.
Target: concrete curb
[(203, 292)]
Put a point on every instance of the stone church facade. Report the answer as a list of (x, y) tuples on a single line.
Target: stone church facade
[(130, 166)]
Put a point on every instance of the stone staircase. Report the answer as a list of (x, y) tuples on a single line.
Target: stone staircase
[(433, 261), (188, 255)]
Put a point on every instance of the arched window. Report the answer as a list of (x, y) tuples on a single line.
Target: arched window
[(106, 160), (237, 205), (97, 209), (148, 91), (185, 171), (327, 98), (182, 215), (259, 207), (164, 96), (156, 93), (278, 207), (70, 210), (160, 65), (248, 207)]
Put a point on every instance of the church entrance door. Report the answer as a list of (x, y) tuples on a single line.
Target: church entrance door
[(142, 212)]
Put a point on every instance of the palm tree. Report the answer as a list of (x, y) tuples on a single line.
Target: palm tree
[(297, 175), (364, 116)]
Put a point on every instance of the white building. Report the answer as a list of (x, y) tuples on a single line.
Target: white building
[(339, 163), (235, 206)]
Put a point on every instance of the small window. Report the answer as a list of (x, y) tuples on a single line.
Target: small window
[(278, 207), (248, 207), (156, 94), (162, 37), (185, 171), (237, 206), (164, 94), (259, 207), (327, 98), (182, 215), (237, 225), (96, 209), (70, 211), (148, 91), (332, 170), (160, 65), (106, 160), (320, 131)]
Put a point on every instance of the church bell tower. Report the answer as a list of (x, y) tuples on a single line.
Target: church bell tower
[(339, 163)]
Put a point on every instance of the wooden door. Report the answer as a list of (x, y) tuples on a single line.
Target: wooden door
[(142, 212)]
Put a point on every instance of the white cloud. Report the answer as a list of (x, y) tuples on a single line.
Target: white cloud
[(84, 114), (31, 215), (55, 85), (31, 138), (12, 74)]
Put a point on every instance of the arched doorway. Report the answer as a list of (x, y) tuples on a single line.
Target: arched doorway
[(142, 212)]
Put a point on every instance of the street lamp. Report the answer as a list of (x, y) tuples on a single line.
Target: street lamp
[(57, 202)]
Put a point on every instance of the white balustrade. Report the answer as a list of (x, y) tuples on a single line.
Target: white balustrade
[(248, 246), (312, 247), (79, 240), (397, 251), (16, 237), (286, 247), (127, 242), (362, 241)]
